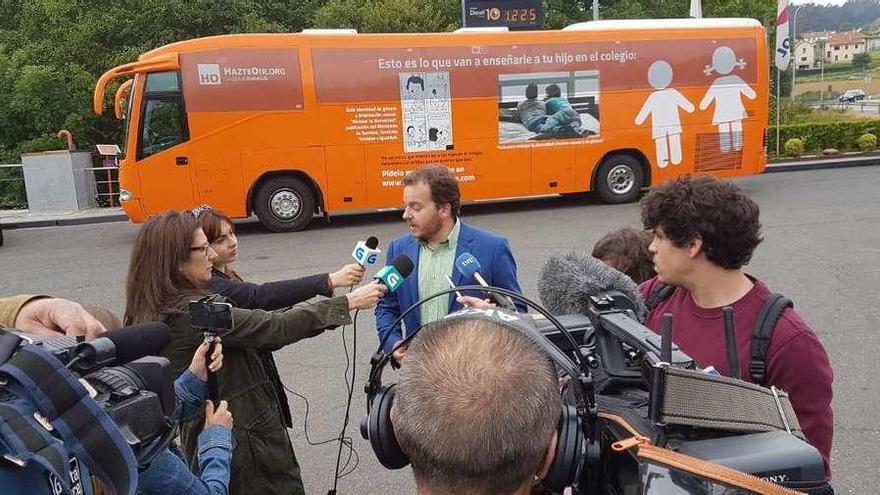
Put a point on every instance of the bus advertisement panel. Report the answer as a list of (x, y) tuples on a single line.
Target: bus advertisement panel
[(289, 125)]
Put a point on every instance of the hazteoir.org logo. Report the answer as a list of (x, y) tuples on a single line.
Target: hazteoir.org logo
[(209, 74)]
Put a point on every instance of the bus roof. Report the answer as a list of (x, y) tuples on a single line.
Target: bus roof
[(626, 24), (249, 39)]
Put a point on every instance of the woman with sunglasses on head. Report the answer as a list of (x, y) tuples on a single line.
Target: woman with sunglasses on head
[(171, 264), (271, 295)]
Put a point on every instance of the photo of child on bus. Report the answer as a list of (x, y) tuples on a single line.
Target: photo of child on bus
[(572, 112)]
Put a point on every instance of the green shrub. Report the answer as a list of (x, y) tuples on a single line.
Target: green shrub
[(794, 147), (867, 141), (42, 143), (817, 136)]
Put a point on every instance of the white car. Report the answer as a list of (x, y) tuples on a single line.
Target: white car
[(851, 95)]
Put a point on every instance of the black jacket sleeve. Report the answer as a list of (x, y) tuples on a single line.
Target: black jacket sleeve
[(271, 295)]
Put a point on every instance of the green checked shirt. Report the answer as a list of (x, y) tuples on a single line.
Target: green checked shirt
[(434, 265)]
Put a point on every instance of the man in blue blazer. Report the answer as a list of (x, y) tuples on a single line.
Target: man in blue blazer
[(437, 237)]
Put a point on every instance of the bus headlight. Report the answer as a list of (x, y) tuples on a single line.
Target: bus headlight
[(125, 195)]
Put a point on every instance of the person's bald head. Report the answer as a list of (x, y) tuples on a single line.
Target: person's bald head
[(476, 407)]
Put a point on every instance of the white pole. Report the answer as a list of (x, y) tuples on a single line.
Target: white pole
[(463, 15), (778, 102), (793, 50)]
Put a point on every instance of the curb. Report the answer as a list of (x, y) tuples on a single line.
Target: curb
[(62, 222)]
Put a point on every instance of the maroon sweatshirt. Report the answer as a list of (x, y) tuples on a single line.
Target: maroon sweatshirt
[(796, 360)]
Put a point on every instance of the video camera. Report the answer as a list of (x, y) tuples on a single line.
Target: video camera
[(646, 387), (105, 406)]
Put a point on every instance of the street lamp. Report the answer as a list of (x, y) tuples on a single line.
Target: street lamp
[(794, 48)]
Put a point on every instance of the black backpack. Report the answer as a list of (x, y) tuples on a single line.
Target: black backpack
[(769, 314)]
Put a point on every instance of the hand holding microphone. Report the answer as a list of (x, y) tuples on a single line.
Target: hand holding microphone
[(392, 277), (347, 276), (475, 302), (468, 266), (365, 253), (367, 296)]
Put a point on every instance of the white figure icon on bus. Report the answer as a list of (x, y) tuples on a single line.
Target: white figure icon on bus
[(727, 92), (663, 107)]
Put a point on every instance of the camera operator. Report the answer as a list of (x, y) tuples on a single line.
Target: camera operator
[(48, 316), (44, 316), (705, 231), (476, 409)]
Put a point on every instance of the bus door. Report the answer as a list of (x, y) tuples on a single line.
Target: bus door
[(163, 160)]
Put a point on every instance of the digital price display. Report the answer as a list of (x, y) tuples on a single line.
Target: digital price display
[(513, 14)]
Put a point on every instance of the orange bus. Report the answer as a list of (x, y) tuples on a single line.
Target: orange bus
[(287, 126)]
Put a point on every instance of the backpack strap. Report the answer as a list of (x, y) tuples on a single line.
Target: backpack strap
[(765, 323), (658, 294)]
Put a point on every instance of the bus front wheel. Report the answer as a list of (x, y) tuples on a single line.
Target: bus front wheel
[(285, 204), (620, 179)]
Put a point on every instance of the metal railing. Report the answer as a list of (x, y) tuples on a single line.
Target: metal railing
[(13, 194), (12, 190), (106, 185), (864, 106)]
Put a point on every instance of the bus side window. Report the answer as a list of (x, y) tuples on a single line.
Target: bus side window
[(163, 123)]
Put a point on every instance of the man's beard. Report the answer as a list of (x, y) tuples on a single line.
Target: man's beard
[(430, 230)]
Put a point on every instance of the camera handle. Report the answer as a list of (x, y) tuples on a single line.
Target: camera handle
[(213, 386)]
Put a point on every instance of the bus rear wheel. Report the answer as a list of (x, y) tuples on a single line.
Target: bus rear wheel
[(284, 204), (620, 179)]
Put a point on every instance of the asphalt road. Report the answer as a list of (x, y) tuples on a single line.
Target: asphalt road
[(821, 248)]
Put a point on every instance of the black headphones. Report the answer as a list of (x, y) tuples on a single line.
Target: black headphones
[(576, 423)]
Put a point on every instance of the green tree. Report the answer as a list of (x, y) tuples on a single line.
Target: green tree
[(861, 61), (52, 52)]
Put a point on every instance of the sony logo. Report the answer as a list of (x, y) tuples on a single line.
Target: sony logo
[(777, 478)]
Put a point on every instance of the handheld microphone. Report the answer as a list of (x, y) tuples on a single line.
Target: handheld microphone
[(452, 285), (366, 253), (468, 266), (121, 346), (393, 275)]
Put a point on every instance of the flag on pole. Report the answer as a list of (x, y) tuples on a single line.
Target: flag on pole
[(696, 9), (783, 38)]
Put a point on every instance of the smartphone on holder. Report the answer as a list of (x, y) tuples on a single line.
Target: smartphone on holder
[(209, 314)]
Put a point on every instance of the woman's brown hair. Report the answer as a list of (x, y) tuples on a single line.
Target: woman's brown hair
[(626, 250), (211, 221), (155, 284)]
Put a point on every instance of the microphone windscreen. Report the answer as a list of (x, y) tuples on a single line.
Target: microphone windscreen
[(403, 265), (372, 242), (467, 264), (137, 341), (567, 281)]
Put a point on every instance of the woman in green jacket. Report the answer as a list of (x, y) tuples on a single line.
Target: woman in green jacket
[(170, 264)]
